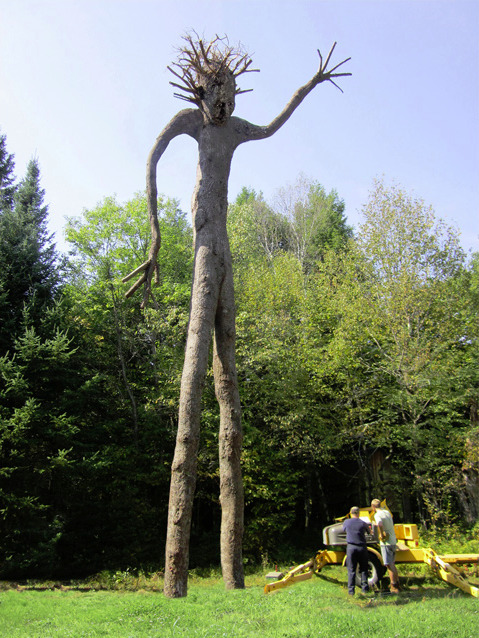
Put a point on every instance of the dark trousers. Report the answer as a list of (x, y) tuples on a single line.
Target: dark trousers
[(357, 555)]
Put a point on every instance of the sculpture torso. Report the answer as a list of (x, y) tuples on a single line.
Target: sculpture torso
[(216, 145)]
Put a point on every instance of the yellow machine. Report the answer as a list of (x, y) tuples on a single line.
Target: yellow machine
[(408, 551)]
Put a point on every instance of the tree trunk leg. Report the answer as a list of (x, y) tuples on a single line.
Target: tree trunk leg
[(230, 439), (184, 467)]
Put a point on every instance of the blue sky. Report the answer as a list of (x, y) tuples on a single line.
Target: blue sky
[(84, 88)]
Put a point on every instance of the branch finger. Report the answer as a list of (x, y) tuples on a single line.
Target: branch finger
[(340, 64), (329, 57)]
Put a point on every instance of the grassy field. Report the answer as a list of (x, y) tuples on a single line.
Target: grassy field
[(318, 608)]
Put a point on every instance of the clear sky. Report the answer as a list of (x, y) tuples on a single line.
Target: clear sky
[(84, 88)]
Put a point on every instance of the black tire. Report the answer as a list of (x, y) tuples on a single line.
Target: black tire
[(375, 571)]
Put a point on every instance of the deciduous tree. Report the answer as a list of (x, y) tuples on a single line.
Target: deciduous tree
[(315, 218), (403, 309)]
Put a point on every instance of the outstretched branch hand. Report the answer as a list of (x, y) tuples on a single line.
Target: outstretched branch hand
[(323, 75)]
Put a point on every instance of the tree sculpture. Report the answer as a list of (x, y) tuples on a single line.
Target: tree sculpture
[(206, 74)]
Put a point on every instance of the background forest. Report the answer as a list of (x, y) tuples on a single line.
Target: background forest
[(357, 356)]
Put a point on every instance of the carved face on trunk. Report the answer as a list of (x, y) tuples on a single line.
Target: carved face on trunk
[(218, 101)]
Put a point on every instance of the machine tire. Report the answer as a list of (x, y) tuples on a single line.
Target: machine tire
[(375, 571)]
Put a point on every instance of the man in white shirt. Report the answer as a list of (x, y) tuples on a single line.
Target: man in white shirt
[(387, 540)]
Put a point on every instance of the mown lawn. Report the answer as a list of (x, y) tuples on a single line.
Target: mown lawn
[(316, 608)]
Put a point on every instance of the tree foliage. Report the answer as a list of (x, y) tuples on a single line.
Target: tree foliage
[(404, 310), (316, 220), (28, 270), (7, 178), (357, 364)]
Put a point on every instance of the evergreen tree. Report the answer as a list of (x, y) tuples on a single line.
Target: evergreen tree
[(28, 269), (7, 187)]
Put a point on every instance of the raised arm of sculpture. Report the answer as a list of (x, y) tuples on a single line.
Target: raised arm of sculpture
[(254, 132)]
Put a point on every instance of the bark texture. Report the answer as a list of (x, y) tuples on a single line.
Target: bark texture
[(212, 310), (230, 436), (207, 77)]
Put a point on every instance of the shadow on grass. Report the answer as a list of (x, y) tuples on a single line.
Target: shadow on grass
[(413, 590)]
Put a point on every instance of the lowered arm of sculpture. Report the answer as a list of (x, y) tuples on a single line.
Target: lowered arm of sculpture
[(185, 122), (254, 132)]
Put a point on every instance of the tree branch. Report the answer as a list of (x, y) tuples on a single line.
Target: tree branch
[(136, 285), (143, 266)]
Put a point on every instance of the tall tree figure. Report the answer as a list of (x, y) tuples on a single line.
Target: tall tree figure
[(206, 74)]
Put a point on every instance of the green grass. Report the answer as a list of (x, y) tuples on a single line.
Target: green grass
[(319, 608)]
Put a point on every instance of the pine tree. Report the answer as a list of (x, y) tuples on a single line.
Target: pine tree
[(7, 187), (30, 209), (28, 270)]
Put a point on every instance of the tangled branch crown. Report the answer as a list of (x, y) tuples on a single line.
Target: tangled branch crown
[(199, 62)]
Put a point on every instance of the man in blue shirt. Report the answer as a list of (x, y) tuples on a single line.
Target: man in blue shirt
[(356, 551)]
